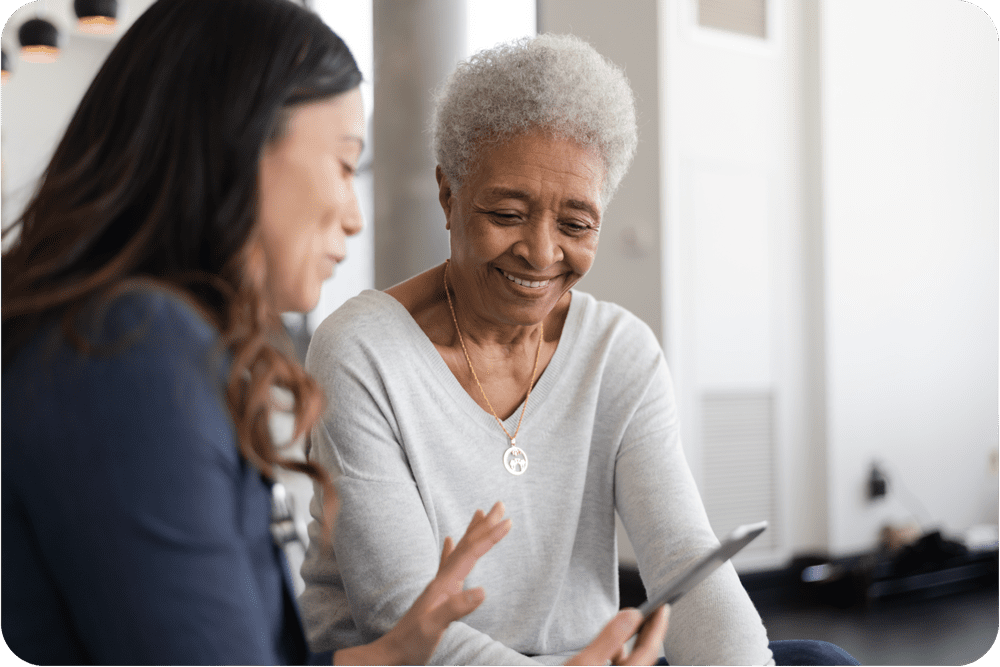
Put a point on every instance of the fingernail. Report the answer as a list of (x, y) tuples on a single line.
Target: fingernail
[(502, 528), (627, 620), (475, 595)]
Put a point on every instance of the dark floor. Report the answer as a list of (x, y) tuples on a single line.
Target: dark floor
[(953, 625), (954, 629)]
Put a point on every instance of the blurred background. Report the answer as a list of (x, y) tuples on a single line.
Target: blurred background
[(811, 228)]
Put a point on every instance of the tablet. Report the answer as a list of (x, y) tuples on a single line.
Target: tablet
[(703, 567)]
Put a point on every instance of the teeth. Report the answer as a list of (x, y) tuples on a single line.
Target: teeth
[(525, 283)]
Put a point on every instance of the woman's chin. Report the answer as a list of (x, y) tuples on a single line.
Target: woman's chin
[(527, 313)]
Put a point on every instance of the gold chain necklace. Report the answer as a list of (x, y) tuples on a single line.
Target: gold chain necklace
[(514, 459)]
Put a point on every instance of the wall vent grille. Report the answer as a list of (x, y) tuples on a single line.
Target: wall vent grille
[(745, 17), (739, 463)]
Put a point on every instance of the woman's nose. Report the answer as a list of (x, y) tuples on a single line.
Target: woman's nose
[(350, 211), (540, 244)]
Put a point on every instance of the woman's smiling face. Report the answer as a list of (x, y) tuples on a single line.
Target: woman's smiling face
[(524, 226)]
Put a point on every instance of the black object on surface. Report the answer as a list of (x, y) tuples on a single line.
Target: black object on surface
[(931, 552), (877, 483)]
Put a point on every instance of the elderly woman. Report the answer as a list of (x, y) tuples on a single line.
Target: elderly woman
[(490, 377)]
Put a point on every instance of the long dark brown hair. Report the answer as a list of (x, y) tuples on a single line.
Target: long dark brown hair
[(156, 181)]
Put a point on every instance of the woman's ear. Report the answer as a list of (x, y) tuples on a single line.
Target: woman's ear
[(444, 195)]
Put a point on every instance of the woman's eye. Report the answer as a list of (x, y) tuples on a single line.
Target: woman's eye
[(576, 227)]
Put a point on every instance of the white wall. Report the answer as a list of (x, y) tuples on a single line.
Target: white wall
[(827, 201), (739, 286), (910, 122), (39, 99)]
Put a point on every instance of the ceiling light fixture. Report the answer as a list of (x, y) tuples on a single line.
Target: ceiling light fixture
[(39, 41), (96, 17)]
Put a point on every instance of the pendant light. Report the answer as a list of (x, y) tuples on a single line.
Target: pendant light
[(6, 67), (39, 41), (96, 17)]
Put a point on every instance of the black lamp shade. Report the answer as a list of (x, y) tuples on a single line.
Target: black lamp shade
[(39, 41), (96, 16), (38, 32), (107, 8)]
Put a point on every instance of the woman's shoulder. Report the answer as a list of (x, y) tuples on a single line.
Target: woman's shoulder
[(606, 320), (161, 315), (372, 320), (366, 314), (139, 329), (150, 360)]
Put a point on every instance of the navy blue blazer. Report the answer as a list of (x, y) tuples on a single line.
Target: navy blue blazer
[(133, 531)]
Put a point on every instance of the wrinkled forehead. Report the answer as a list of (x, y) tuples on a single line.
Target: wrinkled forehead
[(505, 156)]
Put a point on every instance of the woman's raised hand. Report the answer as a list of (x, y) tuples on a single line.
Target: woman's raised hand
[(610, 643), (416, 635)]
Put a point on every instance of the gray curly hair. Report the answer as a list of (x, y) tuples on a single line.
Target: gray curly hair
[(556, 83)]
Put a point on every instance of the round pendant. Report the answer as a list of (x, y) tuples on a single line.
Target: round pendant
[(515, 460)]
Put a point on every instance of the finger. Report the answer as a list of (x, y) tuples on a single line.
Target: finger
[(647, 646), (492, 517), (475, 524), (455, 607), (483, 532), (610, 640), (477, 518), (446, 549), (471, 548), (458, 560), (478, 537), (482, 522), (496, 512)]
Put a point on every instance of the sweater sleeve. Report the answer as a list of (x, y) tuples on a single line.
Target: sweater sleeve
[(658, 501), (384, 550)]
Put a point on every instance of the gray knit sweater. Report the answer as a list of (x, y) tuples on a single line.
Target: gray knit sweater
[(413, 456)]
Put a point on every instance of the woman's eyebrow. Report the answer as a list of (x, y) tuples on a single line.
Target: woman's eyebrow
[(585, 206), (500, 192)]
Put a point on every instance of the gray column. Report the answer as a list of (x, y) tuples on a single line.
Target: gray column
[(417, 44)]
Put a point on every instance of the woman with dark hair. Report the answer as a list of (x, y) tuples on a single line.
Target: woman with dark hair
[(203, 186)]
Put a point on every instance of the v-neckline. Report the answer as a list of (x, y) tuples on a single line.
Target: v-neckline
[(450, 383)]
